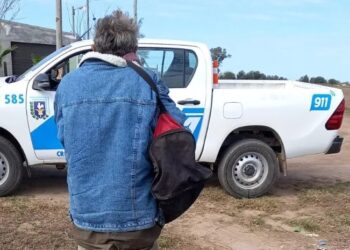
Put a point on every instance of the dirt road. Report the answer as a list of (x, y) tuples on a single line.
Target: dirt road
[(311, 204), (281, 220)]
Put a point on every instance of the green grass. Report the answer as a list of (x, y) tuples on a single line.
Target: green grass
[(222, 199), (257, 221), (15, 204), (169, 240), (347, 111), (326, 209), (342, 218), (315, 208), (326, 196), (306, 224)]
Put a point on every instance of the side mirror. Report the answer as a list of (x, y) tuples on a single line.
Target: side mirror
[(42, 82)]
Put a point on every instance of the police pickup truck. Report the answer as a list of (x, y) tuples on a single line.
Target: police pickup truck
[(245, 130)]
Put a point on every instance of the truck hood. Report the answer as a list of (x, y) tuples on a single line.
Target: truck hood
[(3, 81), (7, 80)]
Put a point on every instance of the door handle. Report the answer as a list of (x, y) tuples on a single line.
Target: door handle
[(189, 101)]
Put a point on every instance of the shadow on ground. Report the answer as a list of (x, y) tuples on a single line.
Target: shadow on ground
[(45, 181)]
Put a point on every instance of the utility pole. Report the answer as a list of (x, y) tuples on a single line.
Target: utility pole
[(58, 24), (73, 21), (135, 11), (88, 18)]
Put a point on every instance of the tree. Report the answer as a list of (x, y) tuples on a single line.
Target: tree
[(304, 78), (4, 53), (36, 59), (219, 54), (255, 75), (333, 81), (275, 77), (228, 75), (9, 9), (318, 79), (241, 75), (139, 23)]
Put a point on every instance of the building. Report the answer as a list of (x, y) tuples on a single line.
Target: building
[(31, 42)]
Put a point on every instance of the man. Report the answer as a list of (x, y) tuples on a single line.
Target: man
[(105, 113)]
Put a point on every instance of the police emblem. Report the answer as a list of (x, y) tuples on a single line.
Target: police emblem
[(38, 110)]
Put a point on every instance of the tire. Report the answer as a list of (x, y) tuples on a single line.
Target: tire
[(11, 167), (248, 169)]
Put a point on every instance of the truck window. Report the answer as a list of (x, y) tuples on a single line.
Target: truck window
[(62, 68), (175, 67), (44, 60)]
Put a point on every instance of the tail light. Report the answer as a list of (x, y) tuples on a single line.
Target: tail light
[(215, 72), (335, 121)]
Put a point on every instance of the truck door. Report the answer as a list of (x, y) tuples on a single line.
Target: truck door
[(185, 76), (40, 108)]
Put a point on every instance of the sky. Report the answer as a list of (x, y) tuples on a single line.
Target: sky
[(288, 38)]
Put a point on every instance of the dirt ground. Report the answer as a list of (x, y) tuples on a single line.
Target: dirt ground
[(310, 205)]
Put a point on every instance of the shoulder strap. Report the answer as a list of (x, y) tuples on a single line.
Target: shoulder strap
[(149, 80)]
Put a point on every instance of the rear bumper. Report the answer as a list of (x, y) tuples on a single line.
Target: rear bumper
[(336, 145)]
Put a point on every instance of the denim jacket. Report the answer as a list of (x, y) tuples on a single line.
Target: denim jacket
[(105, 113)]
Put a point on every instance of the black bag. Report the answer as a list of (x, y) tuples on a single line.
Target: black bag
[(178, 178)]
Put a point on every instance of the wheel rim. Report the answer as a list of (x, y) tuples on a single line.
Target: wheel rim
[(250, 170), (4, 168)]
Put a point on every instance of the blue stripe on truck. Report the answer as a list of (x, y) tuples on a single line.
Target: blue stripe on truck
[(193, 110), (44, 136), (194, 120)]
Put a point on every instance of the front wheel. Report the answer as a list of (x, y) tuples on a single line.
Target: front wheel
[(11, 167), (248, 169)]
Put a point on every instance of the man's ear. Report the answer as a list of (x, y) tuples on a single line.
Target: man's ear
[(93, 47)]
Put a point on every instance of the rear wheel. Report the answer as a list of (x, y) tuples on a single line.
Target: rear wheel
[(11, 167), (248, 169)]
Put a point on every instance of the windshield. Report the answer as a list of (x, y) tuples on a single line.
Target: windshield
[(43, 61)]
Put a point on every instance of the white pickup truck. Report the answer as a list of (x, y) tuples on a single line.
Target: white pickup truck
[(245, 130)]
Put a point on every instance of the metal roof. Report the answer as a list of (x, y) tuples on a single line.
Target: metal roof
[(25, 33)]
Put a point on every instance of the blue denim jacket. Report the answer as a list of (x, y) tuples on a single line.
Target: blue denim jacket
[(105, 113)]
